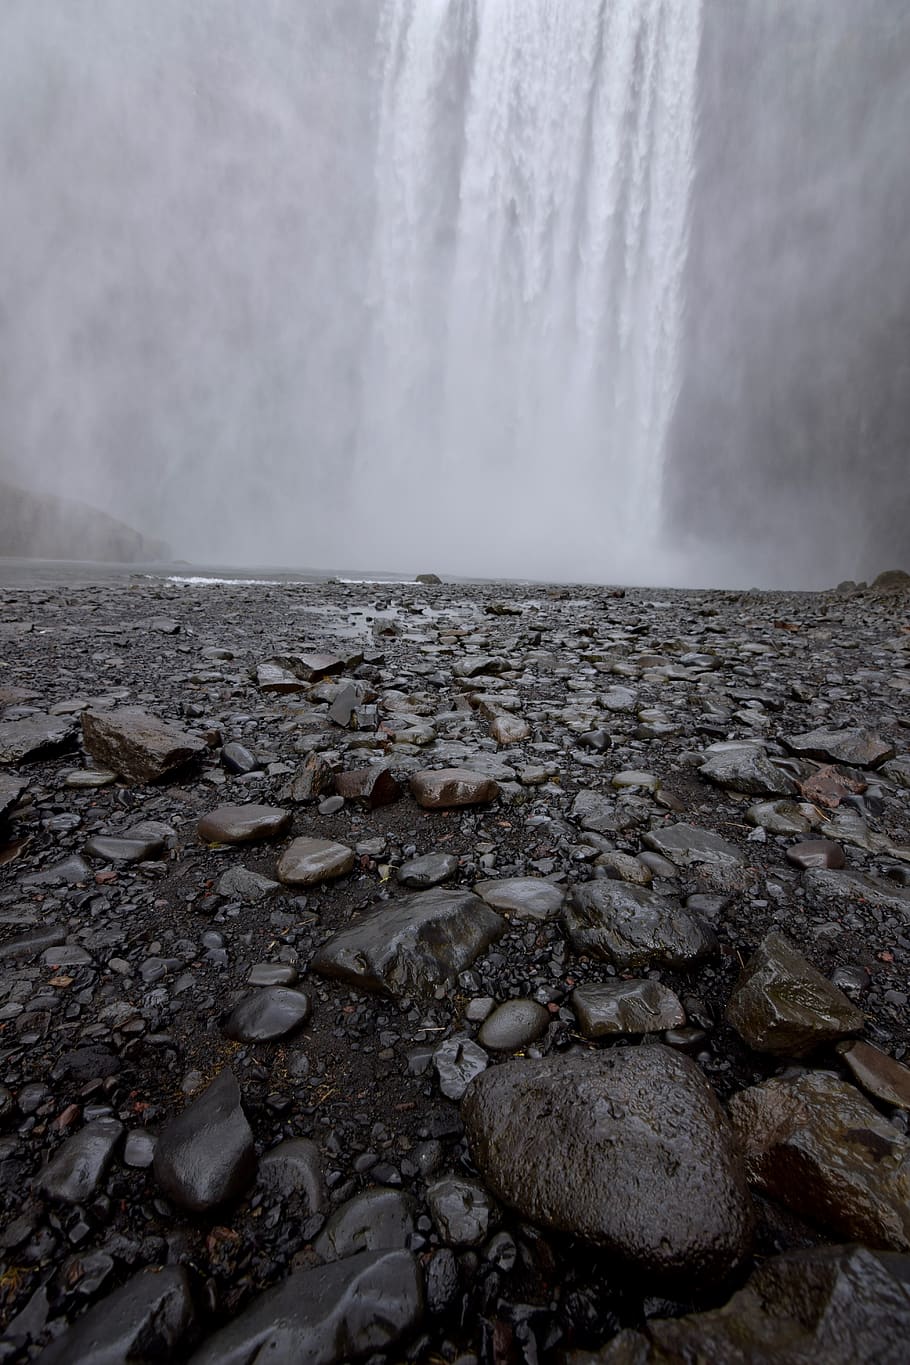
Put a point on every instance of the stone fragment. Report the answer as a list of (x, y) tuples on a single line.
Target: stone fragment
[(686, 846), (138, 746), (428, 870), (557, 1138), (783, 1005), (11, 788), (594, 812), (624, 867), (611, 1007), (314, 777), (272, 974), (816, 1145), (266, 1014), (858, 748), (205, 1156), (531, 898), (462, 1210), (745, 768), (306, 862), (125, 849), (237, 758), (246, 824), (373, 787), (326, 1316), (878, 1074), (444, 788), (275, 678), (514, 1024), (506, 728), (75, 1171), (33, 737), (293, 1169), (150, 1318), (413, 945), (839, 1305), (779, 817), (376, 1220), (816, 853), (634, 928), (241, 884), (457, 1061)]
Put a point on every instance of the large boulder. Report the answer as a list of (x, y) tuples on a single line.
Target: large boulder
[(205, 1156), (628, 1149), (634, 928), (138, 746)]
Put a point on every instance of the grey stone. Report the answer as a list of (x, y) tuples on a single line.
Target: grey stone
[(857, 747), (376, 1220), (594, 812), (611, 1007), (373, 787), (138, 746), (11, 788), (75, 1171), (325, 1316), (237, 758), (428, 870), (824, 886), (413, 945), (205, 1156), (266, 1014), (816, 1145), (123, 850), (779, 817), (244, 824), (294, 1169), (783, 1005), (816, 853), (457, 1061), (686, 845), (240, 884), (307, 862), (558, 1138), (139, 1148), (150, 1318), (514, 1024), (522, 897), (35, 737), (272, 974), (745, 768), (29, 944), (634, 928), (462, 1210), (444, 788)]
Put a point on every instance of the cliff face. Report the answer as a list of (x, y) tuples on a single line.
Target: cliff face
[(792, 433), (42, 526)]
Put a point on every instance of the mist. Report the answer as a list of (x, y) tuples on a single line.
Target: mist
[(606, 291)]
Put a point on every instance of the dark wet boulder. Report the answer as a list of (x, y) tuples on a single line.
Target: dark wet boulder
[(627, 1149), (412, 945), (783, 1005), (444, 788), (815, 1143), (745, 768), (150, 1318), (76, 1169), (614, 1007), (267, 1014), (686, 846), (325, 1316), (375, 1220), (205, 1156), (633, 927), (244, 824), (138, 746)]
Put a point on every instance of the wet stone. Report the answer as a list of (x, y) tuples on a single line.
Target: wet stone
[(779, 817), (444, 788), (878, 1074), (326, 1316), (457, 1061), (783, 1005), (11, 788), (205, 1156), (22, 947), (151, 1317), (373, 787), (745, 768), (858, 748), (634, 928), (243, 824), (293, 1169), (816, 853), (530, 898), (272, 974), (613, 1007), (555, 1139), (273, 1012), (816, 1145), (376, 1220), (139, 1148), (138, 746), (123, 850), (685, 845), (250, 888), (462, 1210), (411, 945), (237, 758), (75, 1171), (430, 869), (307, 862), (514, 1024)]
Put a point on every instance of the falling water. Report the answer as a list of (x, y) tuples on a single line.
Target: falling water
[(534, 170)]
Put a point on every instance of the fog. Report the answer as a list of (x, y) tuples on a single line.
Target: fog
[(610, 291)]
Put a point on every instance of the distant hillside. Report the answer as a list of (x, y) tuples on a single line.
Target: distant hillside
[(42, 526)]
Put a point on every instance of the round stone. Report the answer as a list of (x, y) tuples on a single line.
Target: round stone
[(243, 824), (514, 1024)]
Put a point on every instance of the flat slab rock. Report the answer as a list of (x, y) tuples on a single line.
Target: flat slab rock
[(745, 768), (613, 1007), (858, 748), (685, 845), (205, 1156), (243, 824), (524, 897), (633, 927), (817, 1145), (837, 1305), (409, 947), (34, 737), (139, 746), (628, 1149), (325, 1316), (148, 1318), (444, 788), (783, 1005)]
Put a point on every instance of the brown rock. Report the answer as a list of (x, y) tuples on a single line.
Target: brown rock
[(878, 1074), (307, 862), (374, 786), (243, 824), (442, 788), (816, 853), (783, 1005), (138, 746)]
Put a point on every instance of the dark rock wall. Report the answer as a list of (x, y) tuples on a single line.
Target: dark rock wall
[(792, 437)]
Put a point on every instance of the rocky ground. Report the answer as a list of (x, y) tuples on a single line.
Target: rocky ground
[(439, 972)]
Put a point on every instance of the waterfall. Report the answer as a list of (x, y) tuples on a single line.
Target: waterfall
[(534, 164)]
